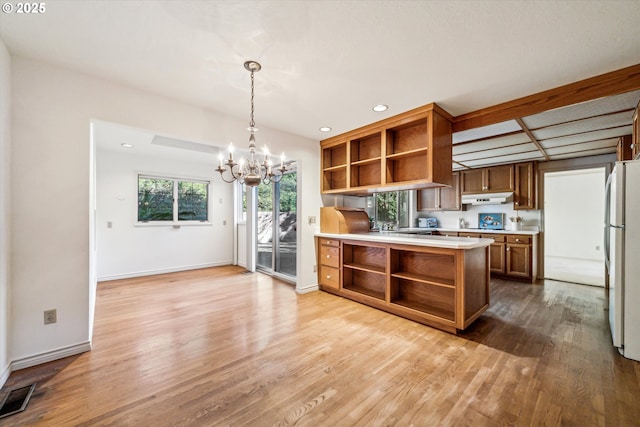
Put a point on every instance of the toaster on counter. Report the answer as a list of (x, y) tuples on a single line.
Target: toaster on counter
[(427, 223)]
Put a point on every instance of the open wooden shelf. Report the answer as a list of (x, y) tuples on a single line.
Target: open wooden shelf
[(423, 278), (432, 299), (411, 153), (409, 150), (408, 137), (365, 148), (407, 168), (426, 267), (334, 178), (363, 267), (335, 155), (375, 160), (371, 258), (368, 283)]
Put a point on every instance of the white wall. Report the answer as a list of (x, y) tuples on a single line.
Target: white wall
[(52, 111), (5, 206), (574, 214), (129, 250)]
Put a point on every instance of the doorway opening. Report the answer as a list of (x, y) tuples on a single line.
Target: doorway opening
[(573, 226), (277, 225)]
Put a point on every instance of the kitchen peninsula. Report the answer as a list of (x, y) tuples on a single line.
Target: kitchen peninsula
[(439, 281)]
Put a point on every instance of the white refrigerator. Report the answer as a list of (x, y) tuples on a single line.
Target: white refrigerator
[(622, 254)]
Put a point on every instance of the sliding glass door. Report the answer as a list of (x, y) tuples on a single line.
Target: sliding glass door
[(277, 224)]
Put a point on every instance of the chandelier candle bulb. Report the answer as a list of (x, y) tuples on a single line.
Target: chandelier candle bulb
[(231, 152), (282, 161)]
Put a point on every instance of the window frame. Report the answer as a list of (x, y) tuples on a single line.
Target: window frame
[(174, 222)]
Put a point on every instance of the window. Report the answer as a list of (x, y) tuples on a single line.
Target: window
[(172, 200), (389, 210)]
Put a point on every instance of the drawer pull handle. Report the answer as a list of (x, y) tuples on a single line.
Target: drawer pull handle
[(517, 240), (328, 276), (508, 248), (328, 256)]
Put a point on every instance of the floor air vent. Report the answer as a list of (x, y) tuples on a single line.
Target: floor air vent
[(16, 401)]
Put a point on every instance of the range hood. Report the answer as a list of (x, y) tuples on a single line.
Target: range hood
[(487, 198)]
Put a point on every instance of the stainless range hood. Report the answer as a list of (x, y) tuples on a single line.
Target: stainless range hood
[(487, 198)]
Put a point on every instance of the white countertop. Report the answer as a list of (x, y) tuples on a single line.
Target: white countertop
[(485, 231), (413, 239), (471, 230)]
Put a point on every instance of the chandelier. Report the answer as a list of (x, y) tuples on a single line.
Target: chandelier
[(253, 171)]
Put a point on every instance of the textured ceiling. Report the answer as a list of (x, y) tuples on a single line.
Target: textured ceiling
[(326, 63)]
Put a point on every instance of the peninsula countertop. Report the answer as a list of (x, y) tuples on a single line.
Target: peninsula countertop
[(400, 238)]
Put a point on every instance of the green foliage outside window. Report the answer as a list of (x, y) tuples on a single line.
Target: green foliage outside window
[(155, 199), (156, 196), (288, 194), (192, 201)]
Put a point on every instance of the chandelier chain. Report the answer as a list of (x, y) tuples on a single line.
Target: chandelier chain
[(252, 123)]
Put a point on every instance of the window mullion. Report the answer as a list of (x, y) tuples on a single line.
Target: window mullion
[(175, 201)]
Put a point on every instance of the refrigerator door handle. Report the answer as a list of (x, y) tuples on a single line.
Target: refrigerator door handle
[(607, 222)]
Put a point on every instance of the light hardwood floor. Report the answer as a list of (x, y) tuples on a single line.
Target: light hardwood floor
[(218, 347)]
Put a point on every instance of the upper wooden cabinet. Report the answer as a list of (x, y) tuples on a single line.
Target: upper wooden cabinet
[(624, 149), (494, 179), (407, 151), (519, 178), (442, 198), (524, 193)]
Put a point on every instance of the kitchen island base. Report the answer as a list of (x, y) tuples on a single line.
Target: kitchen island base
[(443, 287)]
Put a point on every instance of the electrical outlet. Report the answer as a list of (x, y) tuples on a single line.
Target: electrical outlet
[(311, 220), (50, 316), (315, 268)]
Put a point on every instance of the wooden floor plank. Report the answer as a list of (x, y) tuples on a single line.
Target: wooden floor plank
[(218, 347)]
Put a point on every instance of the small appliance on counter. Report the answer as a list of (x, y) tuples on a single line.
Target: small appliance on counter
[(491, 221), (427, 223)]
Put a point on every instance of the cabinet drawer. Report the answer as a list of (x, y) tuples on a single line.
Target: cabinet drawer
[(498, 238), (525, 240), (329, 242), (466, 234), (330, 256), (329, 276)]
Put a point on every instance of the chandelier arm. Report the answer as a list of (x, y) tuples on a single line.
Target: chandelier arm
[(223, 178)]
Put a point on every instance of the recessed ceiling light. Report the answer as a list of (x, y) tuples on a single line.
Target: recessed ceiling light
[(380, 107), (126, 145), (325, 129)]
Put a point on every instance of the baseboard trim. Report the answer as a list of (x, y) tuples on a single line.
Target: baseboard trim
[(5, 375), (38, 359), (161, 271), (307, 289)]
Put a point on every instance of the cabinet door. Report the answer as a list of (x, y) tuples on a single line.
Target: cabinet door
[(428, 199), (624, 148), (524, 192), (450, 196), (497, 257), (518, 260), (498, 178), (471, 181)]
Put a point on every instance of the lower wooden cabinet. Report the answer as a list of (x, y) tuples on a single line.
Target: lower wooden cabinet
[(329, 263), (441, 287), (518, 256), (510, 255)]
